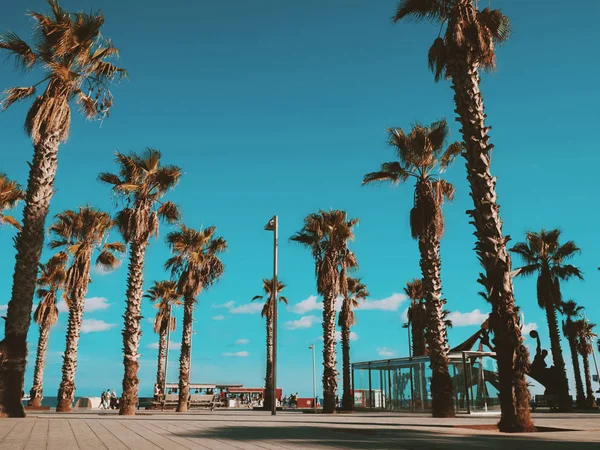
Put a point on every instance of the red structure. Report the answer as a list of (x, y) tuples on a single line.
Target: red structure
[(245, 390)]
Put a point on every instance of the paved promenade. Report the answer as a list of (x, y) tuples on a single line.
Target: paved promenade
[(288, 430)]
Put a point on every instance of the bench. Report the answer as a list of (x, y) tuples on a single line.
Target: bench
[(548, 401), (169, 400), (202, 401)]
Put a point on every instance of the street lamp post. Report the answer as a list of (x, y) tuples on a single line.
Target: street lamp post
[(312, 347), (593, 352), (273, 225), (164, 387)]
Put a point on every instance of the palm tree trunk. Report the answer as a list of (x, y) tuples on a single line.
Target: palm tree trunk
[(29, 243), (576, 370), (184, 357), (37, 390), (132, 331), (66, 391), (329, 363), (566, 403), (441, 384), (590, 401), (269, 375), (162, 352), (418, 339), (347, 395), (512, 355)]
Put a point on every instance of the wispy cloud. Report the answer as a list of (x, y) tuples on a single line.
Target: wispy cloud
[(100, 270), (227, 305), (237, 354), (219, 317), (91, 304), (528, 327), (312, 303), (172, 345), (391, 303), (385, 352), (475, 317), (246, 308), (3, 308), (242, 341), (338, 336), (302, 322), (94, 325), (404, 316)]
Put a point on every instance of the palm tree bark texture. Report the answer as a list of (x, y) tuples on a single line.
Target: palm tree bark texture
[(37, 390), (162, 353), (132, 332), (269, 369), (184, 357), (29, 243), (330, 372), (512, 355)]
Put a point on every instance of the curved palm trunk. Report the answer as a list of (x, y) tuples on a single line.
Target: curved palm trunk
[(441, 384), (184, 358), (347, 395), (162, 353), (132, 331), (576, 370), (37, 390), (566, 403), (329, 363), (66, 391), (590, 401), (269, 374), (29, 242), (512, 355)]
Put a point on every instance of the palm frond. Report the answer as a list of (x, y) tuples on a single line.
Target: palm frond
[(169, 212), (420, 10), (496, 22), (11, 221), (12, 95), (436, 59), (18, 48)]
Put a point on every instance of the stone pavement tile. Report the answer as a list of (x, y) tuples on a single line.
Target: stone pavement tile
[(193, 431), (169, 430), (60, 434), (38, 438), (17, 437), (104, 435), (6, 425), (153, 436), (126, 436), (86, 438)]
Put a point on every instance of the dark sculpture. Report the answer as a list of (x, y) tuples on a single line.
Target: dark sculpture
[(549, 377)]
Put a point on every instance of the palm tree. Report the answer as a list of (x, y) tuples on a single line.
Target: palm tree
[(354, 291), (327, 234), (543, 254), (585, 335), (164, 295), (10, 195), (195, 266), (267, 313), (73, 55), (571, 310), (417, 316), (422, 156), (80, 233), (141, 183), (466, 42), (51, 280)]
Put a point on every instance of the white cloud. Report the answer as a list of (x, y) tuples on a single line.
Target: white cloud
[(91, 304), (310, 304), (105, 271), (237, 354), (248, 308), (527, 328), (302, 322), (227, 305), (243, 341), (385, 352), (475, 317), (3, 308), (391, 303), (219, 317), (93, 325), (404, 316), (172, 346), (338, 336)]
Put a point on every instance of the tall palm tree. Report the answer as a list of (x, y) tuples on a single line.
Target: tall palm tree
[(417, 316), (80, 234), (585, 335), (543, 255), (195, 266), (327, 234), (10, 195), (267, 313), (354, 291), (51, 279), (164, 295), (141, 184), (422, 155), (466, 42), (74, 57), (571, 310)]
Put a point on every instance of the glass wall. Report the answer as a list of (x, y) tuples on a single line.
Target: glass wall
[(403, 384)]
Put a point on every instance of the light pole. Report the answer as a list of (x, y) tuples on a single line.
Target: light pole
[(164, 390), (191, 341), (593, 352), (312, 347), (273, 225)]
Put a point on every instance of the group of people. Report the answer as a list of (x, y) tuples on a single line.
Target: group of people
[(109, 400), (291, 401)]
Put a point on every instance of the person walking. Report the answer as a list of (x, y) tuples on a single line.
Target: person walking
[(113, 399)]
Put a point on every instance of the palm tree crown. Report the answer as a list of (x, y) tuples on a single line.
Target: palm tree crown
[(469, 33), (75, 58), (164, 295), (10, 195), (421, 155), (357, 290), (51, 279), (268, 287)]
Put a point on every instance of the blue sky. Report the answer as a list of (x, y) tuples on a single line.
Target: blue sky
[(281, 107)]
